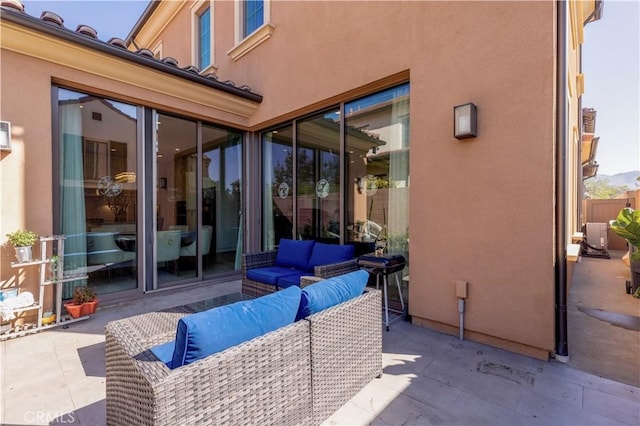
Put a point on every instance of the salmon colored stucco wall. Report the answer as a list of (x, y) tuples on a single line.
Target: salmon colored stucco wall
[(481, 209), (25, 171)]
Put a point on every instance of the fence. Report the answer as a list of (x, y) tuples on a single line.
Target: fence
[(603, 211)]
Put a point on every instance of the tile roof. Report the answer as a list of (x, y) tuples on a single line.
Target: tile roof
[(53, 24)]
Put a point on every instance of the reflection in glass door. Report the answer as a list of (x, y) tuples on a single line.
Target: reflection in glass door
[(318, 177), (377, 149), (97, 191), (176, 197), (221, 244), (277, 193)]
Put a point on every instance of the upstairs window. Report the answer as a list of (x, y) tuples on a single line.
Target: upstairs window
[(253, 16), (204, 39), (251, 26)]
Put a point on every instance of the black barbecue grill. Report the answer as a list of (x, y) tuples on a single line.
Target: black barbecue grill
[(383, 265)]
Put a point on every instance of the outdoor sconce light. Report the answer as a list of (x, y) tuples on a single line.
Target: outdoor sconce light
[(5, 136), (465, 123)]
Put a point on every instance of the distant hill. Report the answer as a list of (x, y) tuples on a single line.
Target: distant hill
[(627, 179)]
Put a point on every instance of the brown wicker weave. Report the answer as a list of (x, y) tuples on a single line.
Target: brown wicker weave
[(268, 258), (264, 381), (346, 352)]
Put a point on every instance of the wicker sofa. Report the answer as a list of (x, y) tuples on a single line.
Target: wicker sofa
[(346, 352), (294, 259), (297, 375)]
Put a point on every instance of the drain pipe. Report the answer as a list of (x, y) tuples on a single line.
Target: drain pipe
[(562, 350), (461, 311), (461, 294)]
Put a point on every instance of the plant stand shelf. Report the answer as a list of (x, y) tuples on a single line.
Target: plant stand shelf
[(55, 280)]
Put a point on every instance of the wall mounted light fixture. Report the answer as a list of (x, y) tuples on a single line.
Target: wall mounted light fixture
[(5, 136), (465, 122)]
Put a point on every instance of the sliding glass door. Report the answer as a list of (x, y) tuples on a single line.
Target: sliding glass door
[(349, 170), (221, 248), (277, 186), (97, 192), (318, 177), (176, 208), (377, 167)]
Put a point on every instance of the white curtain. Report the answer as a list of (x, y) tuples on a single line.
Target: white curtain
[(72, 205), (398, 216), (269, 237)]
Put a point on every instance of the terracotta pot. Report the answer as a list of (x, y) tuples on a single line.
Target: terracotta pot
[(74, 309), (89, 308)]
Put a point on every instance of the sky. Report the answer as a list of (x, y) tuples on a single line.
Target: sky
[(108, 18), (611, 64)]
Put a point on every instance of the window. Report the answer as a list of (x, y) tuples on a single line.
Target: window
[(251, 26), (253, 16), (202, 33), (204, 39)]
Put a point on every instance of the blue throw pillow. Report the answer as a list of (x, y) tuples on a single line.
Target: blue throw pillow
[(330, 292), (325, 254), (294, 253), (204, 333)]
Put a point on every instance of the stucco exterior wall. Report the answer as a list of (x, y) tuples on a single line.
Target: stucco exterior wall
[(25, 171), (481, 209)]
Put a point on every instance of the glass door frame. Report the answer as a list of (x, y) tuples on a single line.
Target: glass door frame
[(341, 175)]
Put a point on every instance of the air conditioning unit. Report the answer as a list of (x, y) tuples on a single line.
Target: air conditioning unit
[(596, 241)]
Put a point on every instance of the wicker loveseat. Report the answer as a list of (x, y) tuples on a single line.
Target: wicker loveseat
[(296, 375), (269, 271)]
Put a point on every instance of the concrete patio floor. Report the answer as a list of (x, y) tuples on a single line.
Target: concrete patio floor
[(58, 377), (601, 347)]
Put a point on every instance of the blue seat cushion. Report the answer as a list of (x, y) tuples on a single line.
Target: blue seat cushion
[(271, 274), (294, 253), (330, 292), (289, 280), (164, 352), (325, 254), (204, 333)]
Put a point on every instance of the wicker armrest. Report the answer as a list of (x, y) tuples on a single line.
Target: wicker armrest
[(252, 261), (263, 381), (306, 280), (258, 260), (334, 269), (346, 351)]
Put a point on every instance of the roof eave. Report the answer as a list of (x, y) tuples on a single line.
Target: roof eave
[(30, 22)]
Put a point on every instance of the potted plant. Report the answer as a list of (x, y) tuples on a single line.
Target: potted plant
[(84, 302), (54, 263), (89, 300), (23, 241), (627, 225)]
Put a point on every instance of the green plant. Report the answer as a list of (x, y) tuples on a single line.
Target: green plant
[(54, 261), (84, 294), (627, 225), (22, 238)]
